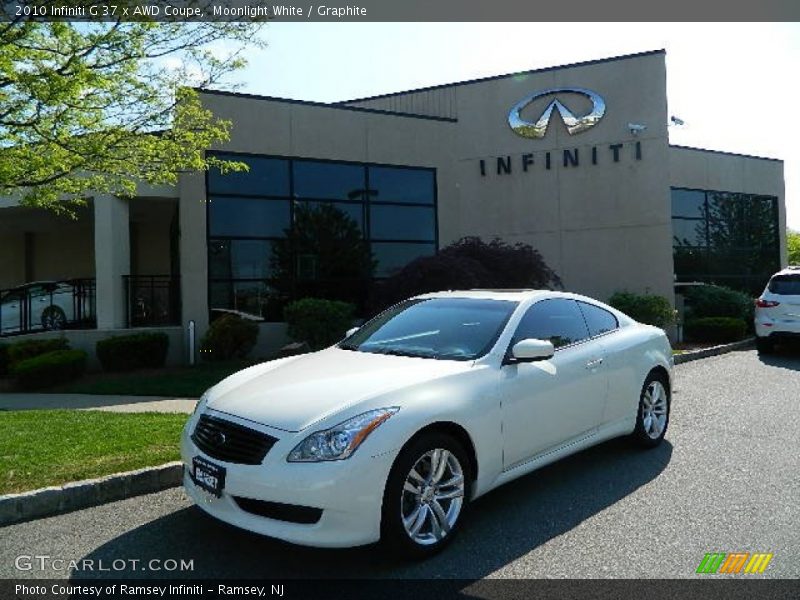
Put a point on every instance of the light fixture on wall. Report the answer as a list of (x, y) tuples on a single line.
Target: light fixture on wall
[(636, 128)]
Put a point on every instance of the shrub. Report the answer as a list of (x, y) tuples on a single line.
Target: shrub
[(645, 308), (717, 301), (137, 351), (715, 329), (229, 336), (319, 323), (25, 349), (468, 263), (49, 369), (3, 360)]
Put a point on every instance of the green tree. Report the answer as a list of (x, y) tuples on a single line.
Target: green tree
[(793, 245), (97, 107), (324, 255)]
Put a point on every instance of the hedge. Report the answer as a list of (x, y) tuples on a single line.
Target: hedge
[(49, 369), (715, 329), (4, 360), (229, 337), (137, 351), (25, 349), (645, 308), (717, 301), (320, 323)]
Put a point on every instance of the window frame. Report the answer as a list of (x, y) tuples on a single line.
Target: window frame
[(605, 333), (737, 280), (511, 341), (365, 202)]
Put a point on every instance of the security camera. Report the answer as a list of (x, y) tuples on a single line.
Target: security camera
[(676, 121), (636, 128)]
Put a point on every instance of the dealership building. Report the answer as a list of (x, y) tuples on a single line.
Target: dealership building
[(574, 160)]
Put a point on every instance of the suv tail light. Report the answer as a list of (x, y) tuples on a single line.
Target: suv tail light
[(766, 303)]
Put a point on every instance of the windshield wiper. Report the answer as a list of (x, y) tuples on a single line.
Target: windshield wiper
[(348, 346), (398, 352)]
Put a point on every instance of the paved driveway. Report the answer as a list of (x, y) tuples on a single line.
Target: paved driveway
[(727, 480)]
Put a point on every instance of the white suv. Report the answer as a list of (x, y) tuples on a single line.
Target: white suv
[(777, 313)]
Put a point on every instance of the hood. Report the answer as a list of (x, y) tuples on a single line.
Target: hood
[(294, 393)]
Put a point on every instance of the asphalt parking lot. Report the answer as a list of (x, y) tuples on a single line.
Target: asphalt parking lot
[(727, 480)]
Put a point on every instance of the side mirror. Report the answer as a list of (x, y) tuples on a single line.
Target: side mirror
[(350, 332), (531, 350)]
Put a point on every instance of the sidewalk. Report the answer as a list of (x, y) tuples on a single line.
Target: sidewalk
[(96, 402)]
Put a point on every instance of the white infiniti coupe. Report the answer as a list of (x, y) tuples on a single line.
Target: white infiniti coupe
[(392, 432)]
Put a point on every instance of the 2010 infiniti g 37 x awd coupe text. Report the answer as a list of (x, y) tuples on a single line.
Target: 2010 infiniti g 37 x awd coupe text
[(441, 398)]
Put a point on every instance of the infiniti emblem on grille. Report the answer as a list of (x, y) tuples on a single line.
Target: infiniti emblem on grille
[(219, 438)]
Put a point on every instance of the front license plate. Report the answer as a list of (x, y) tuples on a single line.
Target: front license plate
[(208, 476)]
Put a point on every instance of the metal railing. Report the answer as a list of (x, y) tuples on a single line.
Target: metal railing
[(152, 300), (47, 306)]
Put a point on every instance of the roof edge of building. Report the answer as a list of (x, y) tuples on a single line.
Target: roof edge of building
[(726, 153), (440, 86), (334, 106)]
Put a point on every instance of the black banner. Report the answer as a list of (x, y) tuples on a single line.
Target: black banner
[(441, 589), (403, 11)]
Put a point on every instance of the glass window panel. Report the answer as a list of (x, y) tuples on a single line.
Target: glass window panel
[(688, 232), (559, 321), (402, 223), (392, 257), (335, 181), (247, 217), (691, 264), (266, 177), (239, 259), (785, 285), (598, 319), (252, 298), (393, 184), (354, 211), (688, 203)]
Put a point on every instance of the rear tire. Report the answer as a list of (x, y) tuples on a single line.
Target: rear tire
[(425, 497), (764, 345), (652, 417)]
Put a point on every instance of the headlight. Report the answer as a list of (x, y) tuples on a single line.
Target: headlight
[(339, 442)]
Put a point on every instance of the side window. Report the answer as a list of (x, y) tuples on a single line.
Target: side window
[(558, 320), (598, 319)]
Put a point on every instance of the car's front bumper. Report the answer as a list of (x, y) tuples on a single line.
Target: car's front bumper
[(348, 492)]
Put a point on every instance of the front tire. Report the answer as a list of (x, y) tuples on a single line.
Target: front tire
[(652, 417), (53, 318), (426, 495)]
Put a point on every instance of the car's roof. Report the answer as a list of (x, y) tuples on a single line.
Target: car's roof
[(790, 270), (514, 295)]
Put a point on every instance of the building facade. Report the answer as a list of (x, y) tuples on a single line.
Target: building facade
[(573, 160)]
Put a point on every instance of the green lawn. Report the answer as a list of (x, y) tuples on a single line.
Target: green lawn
[(188, 382), (40, 448)]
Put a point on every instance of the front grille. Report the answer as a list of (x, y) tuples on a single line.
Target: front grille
[(231, 442), (281, 512)]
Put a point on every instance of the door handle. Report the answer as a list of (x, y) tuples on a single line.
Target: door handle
[(593, 364)]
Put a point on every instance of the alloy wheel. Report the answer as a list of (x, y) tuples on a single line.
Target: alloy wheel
[(654, 409), (432, 497)]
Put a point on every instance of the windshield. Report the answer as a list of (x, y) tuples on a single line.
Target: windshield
[(441, 328), (785, 285)]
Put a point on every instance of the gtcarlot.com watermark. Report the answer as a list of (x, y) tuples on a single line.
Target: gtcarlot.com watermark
[(45, 562)]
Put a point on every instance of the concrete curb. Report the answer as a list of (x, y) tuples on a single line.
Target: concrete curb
[(713, 351), (45, 502)]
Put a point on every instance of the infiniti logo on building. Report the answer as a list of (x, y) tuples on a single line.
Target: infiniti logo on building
[(537, 129)]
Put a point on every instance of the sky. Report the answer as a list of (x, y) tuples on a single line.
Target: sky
[(734, 85)]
